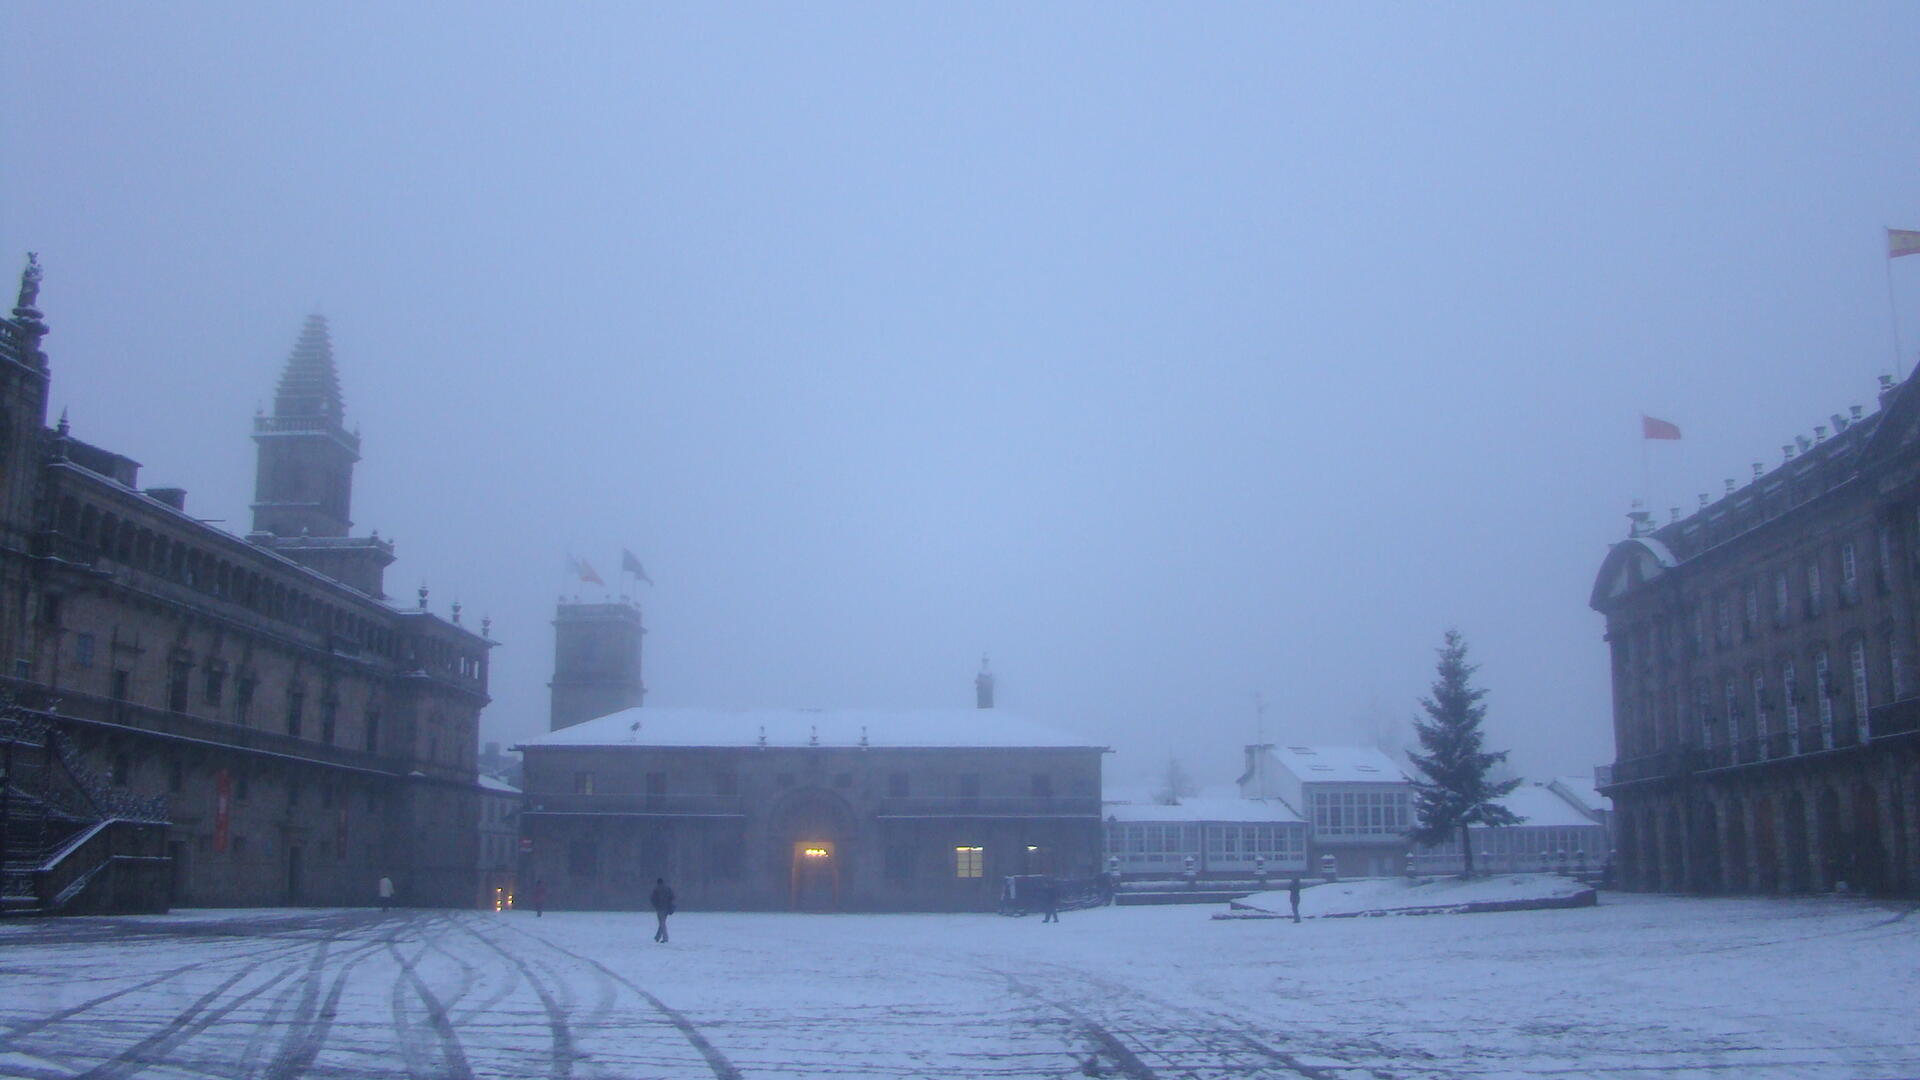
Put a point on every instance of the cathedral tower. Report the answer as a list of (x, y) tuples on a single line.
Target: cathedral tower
[(596, 661), (303, 485)]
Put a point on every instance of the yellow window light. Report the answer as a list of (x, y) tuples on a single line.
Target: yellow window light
[(815, 852)]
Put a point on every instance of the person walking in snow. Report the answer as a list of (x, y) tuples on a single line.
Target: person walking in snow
[(385, 889), (539, 898), (1050, 899), (1293, 898), (662, 899)]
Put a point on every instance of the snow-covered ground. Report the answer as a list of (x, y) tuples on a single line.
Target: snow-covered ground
[(1367, 895), (1638, 987)]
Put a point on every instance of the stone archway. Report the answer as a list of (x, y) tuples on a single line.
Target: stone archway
[(1799, 861), (1868, 853), (813, 836), (1739, 864)]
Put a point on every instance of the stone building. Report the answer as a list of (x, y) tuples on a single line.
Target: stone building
[(1766, 727), (806, 809), (307, 734), (1357, 802)]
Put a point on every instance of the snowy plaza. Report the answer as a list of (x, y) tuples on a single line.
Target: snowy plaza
[(1638, 986)]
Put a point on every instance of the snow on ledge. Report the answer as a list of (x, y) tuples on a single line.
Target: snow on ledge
[(1419, 896)]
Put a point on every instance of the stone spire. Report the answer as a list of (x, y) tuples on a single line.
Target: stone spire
[(310, 385)]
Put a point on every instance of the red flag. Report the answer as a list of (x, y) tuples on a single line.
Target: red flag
[(584, 570), (1657, 429), (1902, 242)]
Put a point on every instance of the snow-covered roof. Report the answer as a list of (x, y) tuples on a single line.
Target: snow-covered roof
[(1582, 790), (1346, 764), (811, 727), (1203, 809), (1538, 805), (494, 783)]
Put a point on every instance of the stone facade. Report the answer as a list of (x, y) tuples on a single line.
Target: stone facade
[(799, 810), (309, 735), (596, 661), (1763, 650)]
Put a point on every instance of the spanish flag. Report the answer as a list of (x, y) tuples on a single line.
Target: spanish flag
[(1651, 428), (1902, 242)]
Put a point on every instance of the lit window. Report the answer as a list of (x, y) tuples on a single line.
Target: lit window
[(967, 861)]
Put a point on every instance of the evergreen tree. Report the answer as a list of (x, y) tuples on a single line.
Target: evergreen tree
[(1457, 791)]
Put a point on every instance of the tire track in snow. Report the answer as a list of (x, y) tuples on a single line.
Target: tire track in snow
[(723, 1069), (564, 1049), (1105, 1041), (314, 1016), (453, 1058), (196, 1018)]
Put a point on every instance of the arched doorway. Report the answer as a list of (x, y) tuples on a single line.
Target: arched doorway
[(1739, 874), (1799, 859), (1835, 857), (813, 839), (1766, 852), (1869, 855)]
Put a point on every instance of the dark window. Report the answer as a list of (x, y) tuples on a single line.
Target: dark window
[(296, 704), (1042, 786), (899, 863), (50, 610), (122, 769), (177, 776), (177, 686), (843, 780), (121, 680), (216, 683), (656, 783), (969, 785), (83, 650), (243, 700), (373, 732), (583, 859), (726, 783), (22, 669)]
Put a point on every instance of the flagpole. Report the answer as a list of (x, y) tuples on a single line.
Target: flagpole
[(1893, 312)]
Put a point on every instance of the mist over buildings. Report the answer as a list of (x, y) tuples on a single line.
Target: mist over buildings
[(1166, 357)]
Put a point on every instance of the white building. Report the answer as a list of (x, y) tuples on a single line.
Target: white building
[(1223, 834), (1358, 803), (1555, 832)]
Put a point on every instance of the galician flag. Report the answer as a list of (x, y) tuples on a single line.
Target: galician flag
[(1902, 242), (1657, 429)]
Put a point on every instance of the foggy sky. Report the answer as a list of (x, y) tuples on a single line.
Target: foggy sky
[(1166, 353)]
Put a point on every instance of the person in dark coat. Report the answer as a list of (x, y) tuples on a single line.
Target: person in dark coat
[(1293, 897), (662, 899), (539, 898), (1050, 900)]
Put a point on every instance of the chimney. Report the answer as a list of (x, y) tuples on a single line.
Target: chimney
[(1855, 410), (1886, 386), (1729, 486), (1675, 511), (1786, 452), (1758, 469), (172, 496), (1819, 434), (1704, 500), (1641, 520), (983, 687)]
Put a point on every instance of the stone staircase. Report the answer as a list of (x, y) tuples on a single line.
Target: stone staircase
[(65, 830)]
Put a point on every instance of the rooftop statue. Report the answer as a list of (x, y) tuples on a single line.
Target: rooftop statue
[(30, 282)]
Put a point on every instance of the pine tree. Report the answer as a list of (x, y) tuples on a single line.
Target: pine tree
[(1457, 791)]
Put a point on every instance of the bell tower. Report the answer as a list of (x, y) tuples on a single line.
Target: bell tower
[(596, 661), (303, 483)]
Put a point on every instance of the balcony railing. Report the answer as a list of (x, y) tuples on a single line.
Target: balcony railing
[(1888, 721), (107, 710), (991, 806), (637, 803)]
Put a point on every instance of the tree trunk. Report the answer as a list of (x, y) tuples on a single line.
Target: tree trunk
[(1466, 851)]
